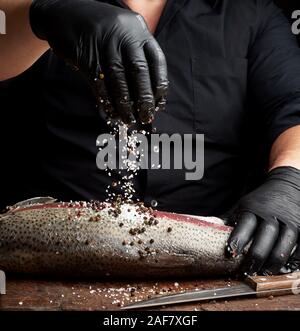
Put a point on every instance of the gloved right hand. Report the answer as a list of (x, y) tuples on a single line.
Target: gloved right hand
[(109, 45)]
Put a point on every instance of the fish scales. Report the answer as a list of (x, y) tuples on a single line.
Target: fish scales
[(131, 241)]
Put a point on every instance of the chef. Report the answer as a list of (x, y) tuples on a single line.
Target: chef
[(227, 69)]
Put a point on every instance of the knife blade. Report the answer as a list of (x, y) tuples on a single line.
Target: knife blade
[(254, 286)]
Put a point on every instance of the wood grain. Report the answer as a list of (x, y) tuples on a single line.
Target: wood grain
[(84, 296), (270, 283)]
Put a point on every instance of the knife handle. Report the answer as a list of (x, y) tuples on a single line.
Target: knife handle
[(275, 285)]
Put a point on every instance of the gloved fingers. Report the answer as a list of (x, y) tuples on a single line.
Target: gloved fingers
[(282, 250), (264, 240), (242, 234), (116, 81), (99, 89), (158, 71), (294, 261), (88, 62), (141, 89)]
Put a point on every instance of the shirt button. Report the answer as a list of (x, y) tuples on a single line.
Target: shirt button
[(154, 203)]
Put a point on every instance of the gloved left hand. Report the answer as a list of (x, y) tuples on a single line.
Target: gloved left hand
[(268, 220)]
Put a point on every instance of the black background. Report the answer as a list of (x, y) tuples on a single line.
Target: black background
[(91, 321)]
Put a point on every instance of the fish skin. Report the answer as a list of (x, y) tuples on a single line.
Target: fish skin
[(85, 240)]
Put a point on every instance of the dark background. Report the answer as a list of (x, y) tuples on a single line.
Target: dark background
[(289, 5)]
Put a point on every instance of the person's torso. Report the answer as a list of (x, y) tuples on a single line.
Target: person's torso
[(51, 147)]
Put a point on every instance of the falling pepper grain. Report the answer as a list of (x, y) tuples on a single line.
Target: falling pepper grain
[(169, 229), (141, 254)]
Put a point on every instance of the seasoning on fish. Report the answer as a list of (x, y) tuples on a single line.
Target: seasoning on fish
[(84, 239)]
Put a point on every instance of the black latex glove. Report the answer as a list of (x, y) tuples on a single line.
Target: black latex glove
[(269, 219), (108, 44)]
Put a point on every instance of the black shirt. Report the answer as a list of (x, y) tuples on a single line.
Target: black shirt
[(234, 71)]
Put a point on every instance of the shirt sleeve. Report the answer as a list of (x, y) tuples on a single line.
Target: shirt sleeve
[(274, 71)]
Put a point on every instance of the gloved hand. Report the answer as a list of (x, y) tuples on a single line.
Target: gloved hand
[(269, 220), (109, 44)]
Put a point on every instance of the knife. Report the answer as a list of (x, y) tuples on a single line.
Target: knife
[(258, 286)]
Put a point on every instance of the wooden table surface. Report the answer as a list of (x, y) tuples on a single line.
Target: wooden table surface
[(57, 296)]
